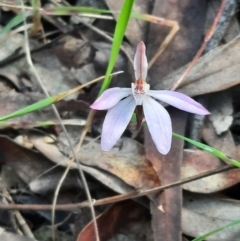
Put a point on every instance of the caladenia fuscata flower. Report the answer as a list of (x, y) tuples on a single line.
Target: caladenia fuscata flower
[(122, 102)]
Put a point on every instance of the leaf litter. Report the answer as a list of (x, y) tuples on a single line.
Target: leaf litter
[(34, 166)]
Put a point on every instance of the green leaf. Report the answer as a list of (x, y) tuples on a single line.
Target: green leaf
[(70, 9), (211, 150), (13, 23), (117, 40), (50, 100), (34, 107), (203, 237)]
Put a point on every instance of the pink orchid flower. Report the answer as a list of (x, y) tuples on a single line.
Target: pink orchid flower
[(121, 103)]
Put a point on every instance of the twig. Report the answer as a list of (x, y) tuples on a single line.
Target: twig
[(21, 221), (117, 198)]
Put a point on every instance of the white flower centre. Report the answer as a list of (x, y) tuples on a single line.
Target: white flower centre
[(139, 92)]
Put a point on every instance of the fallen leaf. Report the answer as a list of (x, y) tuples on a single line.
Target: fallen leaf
[(85, 74), (121, 169), (126, 218), (72, 52), (204, 213), (184, 45), (34, 168), (17, 101), (55, 77), (218, 70), (196, 162), (126, 161)]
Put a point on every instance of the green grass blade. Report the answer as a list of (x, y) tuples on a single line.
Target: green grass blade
[(211, 150), (203, 237), (50, 100), (69, 9), (117, 40), (34, 107), (13, 23)]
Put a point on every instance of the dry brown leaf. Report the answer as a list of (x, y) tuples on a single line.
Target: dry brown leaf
[(31, 166), (72, 52), (126, 218), (121, 169), (185, 44), (10, 44), (16, 101), (218, 70), (196, 162), (55, 77), (52, 152), (85, 74), (126, 161), (202, 214)]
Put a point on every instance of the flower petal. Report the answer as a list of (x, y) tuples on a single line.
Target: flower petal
[(159, 124), (179, 100), (140, 63), (110, 97), (116, 122)]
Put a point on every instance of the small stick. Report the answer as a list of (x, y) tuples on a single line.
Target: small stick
[(21, 221), (117, 198)]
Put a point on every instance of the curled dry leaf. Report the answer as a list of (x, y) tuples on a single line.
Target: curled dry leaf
[(197, 161), (202, 214)]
